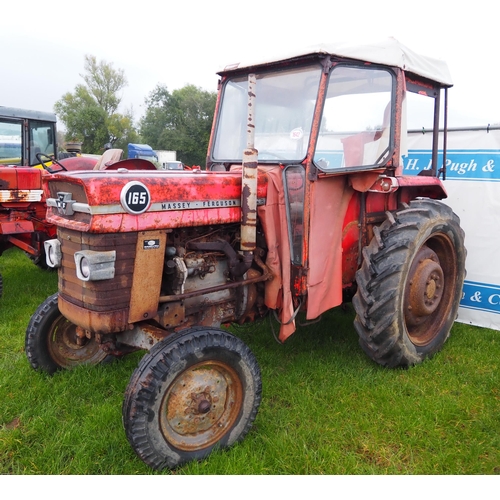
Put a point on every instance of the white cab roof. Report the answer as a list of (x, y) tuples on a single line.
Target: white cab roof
[(389, 52)]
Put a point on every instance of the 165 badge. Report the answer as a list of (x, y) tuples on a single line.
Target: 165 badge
[(135, 198)]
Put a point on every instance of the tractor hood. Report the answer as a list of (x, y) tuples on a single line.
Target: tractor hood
[(20, 178), (127, 200)]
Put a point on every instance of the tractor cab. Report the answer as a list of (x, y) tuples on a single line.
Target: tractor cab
[(333, 108), (24, 134)]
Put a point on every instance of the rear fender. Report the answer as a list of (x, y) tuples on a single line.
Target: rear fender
[(77, 163), (385, 194), (132, 164), (412, 187)]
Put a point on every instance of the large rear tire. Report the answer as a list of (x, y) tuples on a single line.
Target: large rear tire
[(190, 394), (410, 284), (52, 342)]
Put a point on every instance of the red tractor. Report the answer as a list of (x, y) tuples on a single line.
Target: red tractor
[(303, 205), (27, 139)]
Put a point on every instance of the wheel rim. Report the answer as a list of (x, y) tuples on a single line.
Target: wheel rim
[(201, 405), (68, 349), (429, 289)]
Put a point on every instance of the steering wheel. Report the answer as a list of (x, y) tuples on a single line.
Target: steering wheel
[(53, 160)]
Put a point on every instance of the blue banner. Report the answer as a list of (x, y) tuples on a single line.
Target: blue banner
[(470, 164), (481, 296)]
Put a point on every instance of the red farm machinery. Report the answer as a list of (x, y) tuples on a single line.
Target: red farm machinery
[(27, 143), (303, 205)]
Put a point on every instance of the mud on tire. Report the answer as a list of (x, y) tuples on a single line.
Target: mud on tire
[(189, 395), (410, 284)]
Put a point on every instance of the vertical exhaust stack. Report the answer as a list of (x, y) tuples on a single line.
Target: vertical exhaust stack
[(249, 180)]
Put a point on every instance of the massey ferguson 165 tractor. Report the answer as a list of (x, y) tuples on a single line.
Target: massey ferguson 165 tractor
[(303, 205)]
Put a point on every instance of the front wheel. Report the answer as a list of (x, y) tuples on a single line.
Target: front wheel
[(53, 343), (189, 395), (410, 284)]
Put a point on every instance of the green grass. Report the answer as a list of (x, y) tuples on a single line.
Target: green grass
[(326, 408)]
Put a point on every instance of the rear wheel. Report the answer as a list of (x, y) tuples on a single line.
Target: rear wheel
[(410, 284), (39, 259), (53, 343), (190, 394)]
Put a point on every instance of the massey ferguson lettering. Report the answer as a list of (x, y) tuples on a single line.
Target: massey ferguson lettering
[(191, 205)]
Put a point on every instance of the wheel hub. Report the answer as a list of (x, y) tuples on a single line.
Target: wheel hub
[(425, 287), (69, 346), (200, 405), (201, 402)]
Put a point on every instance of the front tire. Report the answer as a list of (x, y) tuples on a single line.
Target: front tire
[(189, 395), (52, 342), (410, 284)]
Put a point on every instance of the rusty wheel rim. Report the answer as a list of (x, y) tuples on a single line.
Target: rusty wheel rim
[(67, 349), (429, 289), (201, 405)]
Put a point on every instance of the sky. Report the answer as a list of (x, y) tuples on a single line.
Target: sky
[(175, 43)]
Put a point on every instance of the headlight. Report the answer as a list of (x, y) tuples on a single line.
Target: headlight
[(95, 266), (84, 268), (53, 254)]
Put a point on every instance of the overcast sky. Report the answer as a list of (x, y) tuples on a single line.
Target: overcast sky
[(179, 42)]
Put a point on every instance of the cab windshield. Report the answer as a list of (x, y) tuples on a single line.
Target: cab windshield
[(284, 108), (356, 124), (21, 140), (41, 138), (11, 143)]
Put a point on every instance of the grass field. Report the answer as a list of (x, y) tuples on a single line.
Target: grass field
[(326, 409)]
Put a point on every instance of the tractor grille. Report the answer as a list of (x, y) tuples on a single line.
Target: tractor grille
[(100, 296), (77, 194)]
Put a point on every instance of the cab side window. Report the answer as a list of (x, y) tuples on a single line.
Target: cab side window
[(356, 123)]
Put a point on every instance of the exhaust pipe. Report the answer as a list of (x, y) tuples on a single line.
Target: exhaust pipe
[(249, 180)]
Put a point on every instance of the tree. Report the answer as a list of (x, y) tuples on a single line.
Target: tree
[(180, 121), (90, 112), (104, 83), (121, 130)]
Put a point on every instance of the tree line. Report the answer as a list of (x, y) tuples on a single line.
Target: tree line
[(180, 120)]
